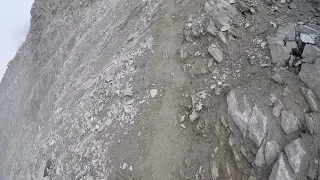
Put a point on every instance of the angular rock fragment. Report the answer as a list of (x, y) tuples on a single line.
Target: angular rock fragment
[(312, 101), (310, 53), (289, 122), (279, 53), (216, 52), (310, 74), (281, 170), (260, 160), (277, 78), (194, 115), (241, 119), (307, 39), (153, 92), (296, 155), (272, 152), (257, 126), (310, 122), (277, 109), (212, 29)]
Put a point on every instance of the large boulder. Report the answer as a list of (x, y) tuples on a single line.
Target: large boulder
[(310, 53), (281, 170), (296, 155), (310, 74)]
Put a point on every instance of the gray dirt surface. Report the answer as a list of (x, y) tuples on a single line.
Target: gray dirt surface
[(163, 89)]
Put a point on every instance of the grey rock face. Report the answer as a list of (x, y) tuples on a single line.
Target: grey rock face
[(312, 101), (257, 126), (216, 52), (289, 122), (241, 119), (310, 53), (259, 160), (310, 74), (281, 170), (296, 155), (272, 152)]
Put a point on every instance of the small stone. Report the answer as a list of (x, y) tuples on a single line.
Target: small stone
[(263, 44), (277, 109), (183, 126), (130, 168), (277, 78), (216, 52), (125, 165), (296, 155), (184, 54), (260, 161), (307, 39), (247, 25), (128, 90), (272, 152), (252, 178), (283, 1), (224, 122), (312, 101), (223, 38), (214, 170), (310, 122), (153, 92), (289, 122), (194, 115), (212, 29)]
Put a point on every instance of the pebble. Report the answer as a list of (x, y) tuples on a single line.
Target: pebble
[(153, 92)]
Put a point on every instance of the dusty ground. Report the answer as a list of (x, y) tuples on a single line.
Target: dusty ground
[(129, 90)]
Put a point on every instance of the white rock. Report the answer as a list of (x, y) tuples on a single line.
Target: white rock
[(307, 39), (259, 160), (257, 126), (214, 170), (281, 170), (125, 165), (194, 115), (153, 92)]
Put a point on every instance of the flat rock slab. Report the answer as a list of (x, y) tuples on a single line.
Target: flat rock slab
[(296, 155), (310, 74), (281, 170), (289, 122)]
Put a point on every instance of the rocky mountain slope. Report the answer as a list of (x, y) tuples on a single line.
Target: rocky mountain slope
[(164, 89)]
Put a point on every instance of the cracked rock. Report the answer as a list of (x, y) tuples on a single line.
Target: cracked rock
[(281, 170), (257, 126), (296, 155), (272, 152), (289, 122)]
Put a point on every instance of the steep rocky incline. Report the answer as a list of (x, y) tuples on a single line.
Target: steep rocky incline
[(164, 89)]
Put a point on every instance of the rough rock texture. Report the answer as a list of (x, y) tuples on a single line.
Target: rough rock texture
[(296, 155), (309, 74), (257, 126), (281, 170), (272, 152), (289, 122)]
